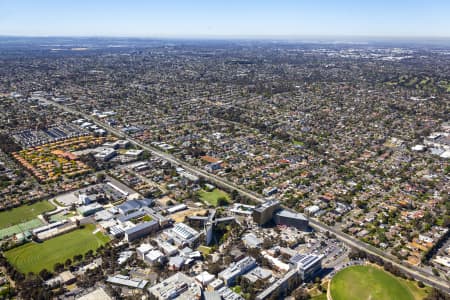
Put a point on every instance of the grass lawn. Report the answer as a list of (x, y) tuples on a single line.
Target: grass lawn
[(213, 196), (204, 249), (147, 218), (61, 216), (370, 283), (24, 213), (33, 257), (320, 297)]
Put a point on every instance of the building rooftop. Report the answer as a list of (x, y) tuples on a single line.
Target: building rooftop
[(238, 268), (267, 204), (98, 294), (127, 281), (140, 227), (305, 261), (178, 286), (289, 214)]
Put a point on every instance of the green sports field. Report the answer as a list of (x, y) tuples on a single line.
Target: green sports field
[(24, 213), (213, 196), (15, 229), (370, 283), (33, 257)]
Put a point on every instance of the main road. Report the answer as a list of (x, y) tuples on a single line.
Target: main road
[(415, 272)]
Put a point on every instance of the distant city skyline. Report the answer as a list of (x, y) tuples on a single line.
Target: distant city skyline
[(250, 18)]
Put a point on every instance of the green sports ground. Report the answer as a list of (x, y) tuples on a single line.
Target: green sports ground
[(33, 257), (370, 283), (23, 213), (212, 197)]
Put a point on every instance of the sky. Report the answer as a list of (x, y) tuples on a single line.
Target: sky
[(226, 18)]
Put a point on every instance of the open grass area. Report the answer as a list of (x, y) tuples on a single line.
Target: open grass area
[(33, 257), (61, 216), (204, 249), (368, 282), (213, 196), (298, 143), (24, 213)]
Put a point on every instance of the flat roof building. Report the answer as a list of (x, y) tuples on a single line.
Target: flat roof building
[(90, 209), (141, 230), (239, 268), (291, 219), (182, 234), (308, 265), (178, 286), (263, 213), (122, 280)]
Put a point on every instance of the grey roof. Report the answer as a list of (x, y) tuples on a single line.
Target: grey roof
[(133, 215), (177, 261), (293, 215), (267, 204), (129, 205), (134, 204), (305, 261), (141, 226), (208, 295), (127, 281)]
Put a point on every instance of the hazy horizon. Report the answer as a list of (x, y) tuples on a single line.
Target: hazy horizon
[(232, 19)]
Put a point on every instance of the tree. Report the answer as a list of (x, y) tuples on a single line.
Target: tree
[(58, 267), (435, 272), (301, 294), (45, 274), (101, 177), (222, 201), (77, 257), (436, 294), (214, 268), (68, 262)]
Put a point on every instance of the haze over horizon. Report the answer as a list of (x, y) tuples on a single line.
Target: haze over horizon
[(182, 19)]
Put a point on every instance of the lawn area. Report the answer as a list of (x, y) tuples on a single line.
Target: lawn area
[(204, 249), (33, 257), (24, 213), (298, 143), (368, 282), (213, 196), (61, 216)]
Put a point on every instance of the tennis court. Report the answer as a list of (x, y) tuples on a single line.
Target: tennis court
[(15, 229)]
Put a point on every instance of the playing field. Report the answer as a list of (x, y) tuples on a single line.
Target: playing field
[(23, 213), (15, 229), (213, 196), (33, 257), (370, 283)]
